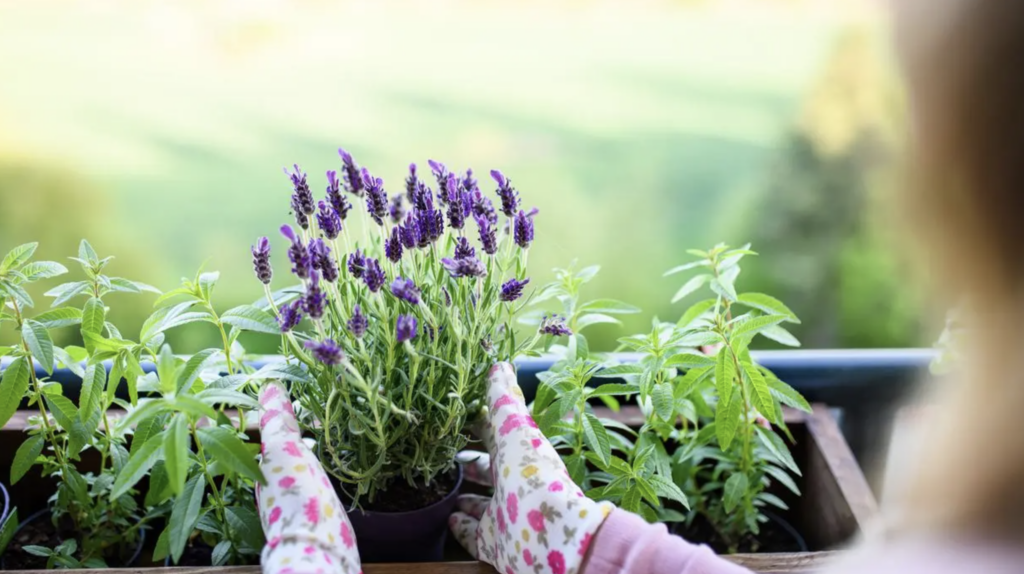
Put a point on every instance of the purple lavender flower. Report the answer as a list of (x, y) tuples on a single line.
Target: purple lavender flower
[(329, 221), (508, 194), (357, 324), (405, 328), (406, 290), (523, 230), (423, 198), (327, 352), (335, 198), (302, 198), (374, 275), (430, 222), (512, 289), (302, 262), (483, 208), (376, 197), (554, 325), (456, 215), (397, 210), (469, 182), (315, 299), (261, 260), (463, 249), (447, 297), (466, 267), (393, 246), (412, 184), (410, 233), (356, 264), (290, 316), (353, 182), (323, 261), (488, 239), (441, 174)]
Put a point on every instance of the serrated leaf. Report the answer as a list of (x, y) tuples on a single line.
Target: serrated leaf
[(13, 385), (283, 372), (63, 411), (16, 291), (773, 500), (783, 478), (8, 527), (151, 422), (689, 360), (761, 396), (631, 500), (59, 317), (17, 256), (755, 325), (249, 318), (777, 446), (245, 524), (228, 382), (37, 338), (591, 319), (66, 292), (93, 316), (780, 335), (26, 456), (138, 465), (695, 311), (124, 285), (608, 307), (90, 400), (735, 488), (177, 451), (768, 304), (227, 397), (787, 395), (184, 515), (37, 270), (690, 286), (225, 446), (663, 400), (87, 253), (725, 374), (221, 553), (647, 491), (727, 420), (617, 371), (668, 489), (596, 437), (684, 267), (193, 367), (189, 404), (614, 389)]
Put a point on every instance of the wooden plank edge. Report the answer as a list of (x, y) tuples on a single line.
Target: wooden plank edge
[(843, 466)]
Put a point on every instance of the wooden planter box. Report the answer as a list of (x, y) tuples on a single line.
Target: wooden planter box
[(836, 506)]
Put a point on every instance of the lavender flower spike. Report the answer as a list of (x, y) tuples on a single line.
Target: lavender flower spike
[(463, 249), (353, 182), (261, 260), (356, 264), (512, 289), (376, 197), (411, 184), (488, 240), (523, 230), (466, 267), (357, 324), (334, 196), (329, 221), (555, 326), (456, 213), (441, 175), (405, 328), (327, 352), (302, 198), (315, 300), (290, 316), (406, 290), (374, 275), (323, 261), (397, 209), (508, 194), (302, 262), (393, 246), (410, 233)]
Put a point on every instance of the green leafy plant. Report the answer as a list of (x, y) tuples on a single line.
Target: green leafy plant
[(8, 526), (108, 520), (203, 466)]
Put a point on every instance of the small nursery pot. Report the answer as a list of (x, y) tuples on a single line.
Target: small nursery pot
[(412, 536), (44, 515)]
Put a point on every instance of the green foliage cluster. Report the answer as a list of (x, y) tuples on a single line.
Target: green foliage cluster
[(707, 445)]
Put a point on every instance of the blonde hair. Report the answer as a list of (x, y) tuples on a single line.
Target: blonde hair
[(966, 208)]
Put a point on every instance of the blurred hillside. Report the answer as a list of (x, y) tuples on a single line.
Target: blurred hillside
[(638, 129)]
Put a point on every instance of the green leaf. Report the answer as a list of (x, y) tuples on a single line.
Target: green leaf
[(160, 552), (647, 491), (249, 318), (780, 335), (596, 437), (93, 316), (12, 388), (617, 371), (787, 395), (67, 291), (63, 411), (664, 401), (613, 389), (17, 256), (689, 360), (189, 404), (762, 395), (755, 325), (777, 446), (727, 420), (226, 397), (37, 270), (39, 344), (150, 425), (690, 286), (7, 529), (608, 307), (668, 489), (225, 446), (87, 253), (167, 366), (138, 465), (684, 267), (177, 451), (59, 317), (184, 516), (16, 291), (783, 477), (124, 285), (221, 553), (194, 367), (773, 500), (283, 372), (631, 500), (725, 375), (687, 383), (768, 304), (26, 456), (245, 524), (595, 319), (695, 311), (91, 398), (735, 488)]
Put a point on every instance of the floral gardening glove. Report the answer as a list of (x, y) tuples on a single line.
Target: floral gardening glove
[(306, 526), (538, 520)]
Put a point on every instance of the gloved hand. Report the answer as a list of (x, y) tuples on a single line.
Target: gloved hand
[(306, 526), (538, 518)]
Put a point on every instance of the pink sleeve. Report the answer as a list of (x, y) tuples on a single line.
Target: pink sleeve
[(627, 544)]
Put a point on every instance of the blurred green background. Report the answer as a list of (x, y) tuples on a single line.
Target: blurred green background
[(158, 131)]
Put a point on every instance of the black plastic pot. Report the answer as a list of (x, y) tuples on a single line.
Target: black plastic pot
[(45, 515), (413, 536)]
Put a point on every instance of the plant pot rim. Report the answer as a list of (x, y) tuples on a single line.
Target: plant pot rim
[(46, 512), (447, 498)]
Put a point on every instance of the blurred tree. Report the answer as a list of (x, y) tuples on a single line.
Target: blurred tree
[(819, 221)]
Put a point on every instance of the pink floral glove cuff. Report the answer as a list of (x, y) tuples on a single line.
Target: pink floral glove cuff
[(538, 520), (305, 524)]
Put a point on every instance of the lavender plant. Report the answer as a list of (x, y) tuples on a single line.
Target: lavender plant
[(107, 519), (397, 327)]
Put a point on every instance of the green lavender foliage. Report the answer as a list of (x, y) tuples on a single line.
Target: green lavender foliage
[(109, 519), (706, 444), (201, 465)]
